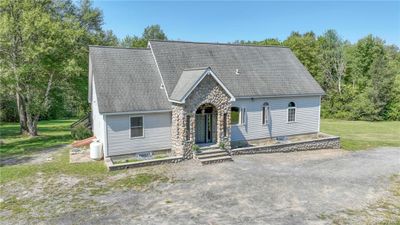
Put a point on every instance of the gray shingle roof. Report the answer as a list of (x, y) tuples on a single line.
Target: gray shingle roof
[(127, 80), (186, 82), (263, 71)]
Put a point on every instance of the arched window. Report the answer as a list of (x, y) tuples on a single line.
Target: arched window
[(265, 113), (291, 112)]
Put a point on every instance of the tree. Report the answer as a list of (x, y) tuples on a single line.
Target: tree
[(133, 42), (271, 41), (305, 47), (37, 48), (154, 32), (332, 60), (393, 106), (365, 52)]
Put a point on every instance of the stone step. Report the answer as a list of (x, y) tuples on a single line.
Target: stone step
[(212, 151), (215, 160), (206, 148), (211, 155)]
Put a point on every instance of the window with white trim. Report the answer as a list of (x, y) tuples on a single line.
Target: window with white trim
[(136, 126), (265, 113), (291, 112), (235, 115)]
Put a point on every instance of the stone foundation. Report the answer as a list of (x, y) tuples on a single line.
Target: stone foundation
[(324, 143), (330, 142), (111, 166)]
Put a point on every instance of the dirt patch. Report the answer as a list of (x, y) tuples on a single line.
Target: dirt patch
[(34, 158)]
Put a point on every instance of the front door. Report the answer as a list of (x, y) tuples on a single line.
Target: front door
[(204, 128)]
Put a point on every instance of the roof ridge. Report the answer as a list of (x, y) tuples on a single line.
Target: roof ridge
[(197, 68), (116, 47), (215, 43)]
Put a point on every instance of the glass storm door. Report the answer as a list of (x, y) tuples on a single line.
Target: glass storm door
[(204, 128)]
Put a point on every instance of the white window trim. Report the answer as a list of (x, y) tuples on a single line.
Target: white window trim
[(266, 115), (240, 116), (243, 116), (295, 113), (130, 127)]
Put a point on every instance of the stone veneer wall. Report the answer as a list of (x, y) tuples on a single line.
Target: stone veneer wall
[(111, 166), (325, 143), (207, 92)]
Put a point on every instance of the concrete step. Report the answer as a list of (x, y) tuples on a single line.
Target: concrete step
[(211, 147), (212, 155), (211, 151), (215, 160)]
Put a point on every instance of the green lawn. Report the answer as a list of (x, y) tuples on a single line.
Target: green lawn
[(58, 166), (359, 135), (51, 133)]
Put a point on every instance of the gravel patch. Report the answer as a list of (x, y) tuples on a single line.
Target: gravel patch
[(279, 188)]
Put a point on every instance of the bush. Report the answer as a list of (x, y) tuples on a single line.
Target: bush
[(80, 132), (195, 148)]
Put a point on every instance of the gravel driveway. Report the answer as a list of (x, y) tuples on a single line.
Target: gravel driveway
[(280, 188)]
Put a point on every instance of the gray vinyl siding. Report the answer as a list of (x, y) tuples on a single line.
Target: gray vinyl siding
[(307, 118), (157, 134)]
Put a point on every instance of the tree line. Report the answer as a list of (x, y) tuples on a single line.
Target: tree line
[(44, 64), (361, 80)]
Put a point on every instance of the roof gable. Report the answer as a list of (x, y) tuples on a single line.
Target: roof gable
[(126, 80), (189, 80)]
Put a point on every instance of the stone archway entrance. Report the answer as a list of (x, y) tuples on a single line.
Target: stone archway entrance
[(202, 118), (206, 124)]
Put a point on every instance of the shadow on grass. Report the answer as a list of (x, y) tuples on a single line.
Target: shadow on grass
[(14, 160)]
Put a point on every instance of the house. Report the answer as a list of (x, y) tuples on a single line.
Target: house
[(175, 94)]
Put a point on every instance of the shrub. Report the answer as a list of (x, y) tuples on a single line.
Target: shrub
[(80, 132), (195, 148)]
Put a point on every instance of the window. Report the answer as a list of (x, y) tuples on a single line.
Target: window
[(238, 115), (136, 126), (187, 128), (291, 112), (243, 116), (225, 124), (265, 113), (235, 113)]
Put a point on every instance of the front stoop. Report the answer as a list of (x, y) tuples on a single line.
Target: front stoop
[(212, 156)]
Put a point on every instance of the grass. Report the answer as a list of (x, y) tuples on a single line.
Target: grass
[(65, 187), (361, 135), (59, 165), (140, 180), (51, 133)]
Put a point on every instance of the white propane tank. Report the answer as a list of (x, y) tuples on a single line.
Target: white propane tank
[(96, 150)]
